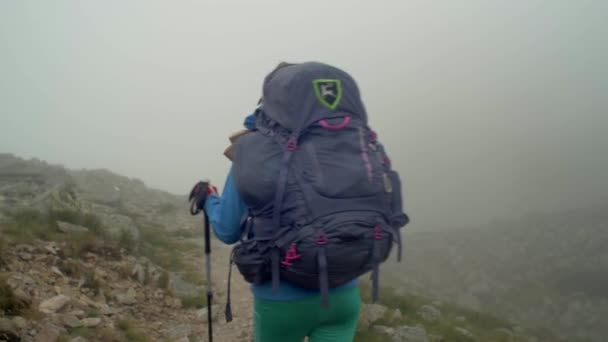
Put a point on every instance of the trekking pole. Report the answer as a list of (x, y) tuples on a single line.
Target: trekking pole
[(198, 194), (208, 271)]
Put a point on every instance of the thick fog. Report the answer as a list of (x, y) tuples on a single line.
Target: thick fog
[(488, 108)]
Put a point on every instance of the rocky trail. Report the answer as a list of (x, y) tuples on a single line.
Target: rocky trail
[(93, 298)]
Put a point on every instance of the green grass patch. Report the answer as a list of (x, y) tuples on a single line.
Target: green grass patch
[(93, 313), (127, 241), (370, 336), (130, 332), (3, 249), (197, 302), (87, 220), (82, 332), (482, 326), (28, 224), (157, 236), (188, 233), (163, 249), (163, 280), (194, 276)]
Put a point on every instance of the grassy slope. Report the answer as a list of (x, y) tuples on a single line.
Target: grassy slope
[(482, 326)]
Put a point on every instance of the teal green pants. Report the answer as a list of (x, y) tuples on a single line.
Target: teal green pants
[(291, 321)]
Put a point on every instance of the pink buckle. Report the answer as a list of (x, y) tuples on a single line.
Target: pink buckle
[(321, 239), (378, 233), (292, 254), (345, 121), (292, 144)]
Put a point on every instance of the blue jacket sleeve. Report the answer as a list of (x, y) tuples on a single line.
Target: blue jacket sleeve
[(226, 212)]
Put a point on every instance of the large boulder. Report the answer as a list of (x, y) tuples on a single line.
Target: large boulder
[(69, 228), (127, 298), (54, 304), (181, 288), (370, 314)]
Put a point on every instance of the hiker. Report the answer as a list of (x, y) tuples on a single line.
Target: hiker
[(303, 247)]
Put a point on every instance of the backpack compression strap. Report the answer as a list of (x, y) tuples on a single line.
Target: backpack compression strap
[(290, 145), (321, 242), (376, 258)]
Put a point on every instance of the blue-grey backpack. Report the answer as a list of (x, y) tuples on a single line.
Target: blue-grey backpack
[(324, 204)]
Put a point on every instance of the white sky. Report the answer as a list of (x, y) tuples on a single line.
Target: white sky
[(488, 108)]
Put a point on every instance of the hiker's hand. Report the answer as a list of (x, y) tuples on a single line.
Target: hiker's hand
[(198, 196), (212, 190)]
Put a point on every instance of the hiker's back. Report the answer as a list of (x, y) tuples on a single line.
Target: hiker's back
[(325, 204)]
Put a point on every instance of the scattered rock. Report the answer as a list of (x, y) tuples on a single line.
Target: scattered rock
[(49, 333), (397, 315), (139, 272), (25, 248), (71, 321), (54, 304), (201, 314), (101, 297), (25, 256), (52, 248), (78, 313), (244, 333), (182, 330), (158, 294), (173, 303), (56, 270), (69, 228), (181, 288), (410, 334), (8, 331), (78, 339), (429, 313), (100, 274), (464, 332), (85, 301), (20, 322), (21, 281), (370, 313), (91, 322), (90, 256), (108, 311), (384, 330), (128, 298), (154, 274)]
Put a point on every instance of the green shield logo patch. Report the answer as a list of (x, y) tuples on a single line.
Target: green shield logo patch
[(328, 91)]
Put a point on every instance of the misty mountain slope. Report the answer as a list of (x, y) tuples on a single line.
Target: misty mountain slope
[(95, 255), (535, 271), (37, 184)]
